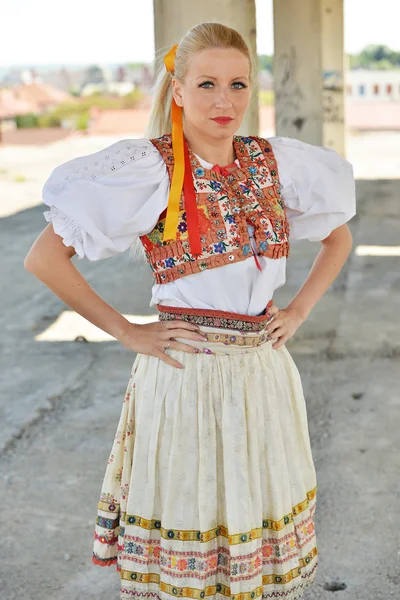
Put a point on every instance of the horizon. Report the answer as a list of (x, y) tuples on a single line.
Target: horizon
[(76, 66)]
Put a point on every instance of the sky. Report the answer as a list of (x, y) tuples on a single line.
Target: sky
[(46, 32)]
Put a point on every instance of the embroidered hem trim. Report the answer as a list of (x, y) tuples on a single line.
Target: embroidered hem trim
[(216, 318), (213, 590), (104, 562)]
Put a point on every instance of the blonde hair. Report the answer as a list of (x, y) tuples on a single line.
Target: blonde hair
[(200, 37)]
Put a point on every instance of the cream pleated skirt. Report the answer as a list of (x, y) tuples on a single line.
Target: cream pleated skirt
[(210, 487)]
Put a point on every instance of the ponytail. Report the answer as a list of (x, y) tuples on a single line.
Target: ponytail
[(160, 122)]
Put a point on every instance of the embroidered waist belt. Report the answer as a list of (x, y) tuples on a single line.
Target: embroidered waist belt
[(216, 318)]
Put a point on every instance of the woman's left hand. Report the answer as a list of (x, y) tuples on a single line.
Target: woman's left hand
[(285, 323)]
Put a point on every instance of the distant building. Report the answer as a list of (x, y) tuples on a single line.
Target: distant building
[(118, 88), (100, 79), (20, 77), (142, 77), (365, 84), (66, 80)]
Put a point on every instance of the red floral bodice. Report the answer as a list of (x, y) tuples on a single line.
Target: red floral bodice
[(226, 204)]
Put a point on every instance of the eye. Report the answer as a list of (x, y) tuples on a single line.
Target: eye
[(240, 83), (204, 83)]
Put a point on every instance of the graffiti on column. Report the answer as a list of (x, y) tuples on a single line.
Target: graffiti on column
[(332, 97), (290, 101)]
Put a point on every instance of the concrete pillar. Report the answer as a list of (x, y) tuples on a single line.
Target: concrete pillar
[(309, 71), (333, 63), (173, 18)]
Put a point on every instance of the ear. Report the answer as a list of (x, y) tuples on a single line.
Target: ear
[(177, 92)]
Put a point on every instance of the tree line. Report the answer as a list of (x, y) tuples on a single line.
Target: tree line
[(371, 57)]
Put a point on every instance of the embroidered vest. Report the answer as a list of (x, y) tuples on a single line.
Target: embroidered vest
[(226, 206)]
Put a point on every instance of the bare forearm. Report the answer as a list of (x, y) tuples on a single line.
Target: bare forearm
[(71, 287), (326, 267)]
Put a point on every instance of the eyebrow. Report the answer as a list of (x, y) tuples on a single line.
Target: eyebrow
[(209, 77)]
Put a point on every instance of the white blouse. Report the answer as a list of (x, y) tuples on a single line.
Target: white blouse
[(101, 203)]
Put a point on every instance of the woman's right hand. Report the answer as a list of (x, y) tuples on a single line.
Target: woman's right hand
[(153, 338)]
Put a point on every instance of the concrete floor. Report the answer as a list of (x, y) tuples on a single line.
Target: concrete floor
[(60, 402)]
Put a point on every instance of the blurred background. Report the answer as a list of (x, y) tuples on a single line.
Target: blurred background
[(86, 73), (76, 77)]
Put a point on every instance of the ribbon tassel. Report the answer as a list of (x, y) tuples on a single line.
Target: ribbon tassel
[(192, 215), (171, 222), (182, 179)]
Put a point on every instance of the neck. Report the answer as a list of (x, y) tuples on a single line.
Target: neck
[(217, 152)]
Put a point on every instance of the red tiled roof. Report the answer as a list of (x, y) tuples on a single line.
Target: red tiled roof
[(11, 105), (31, 98), (42, 94)]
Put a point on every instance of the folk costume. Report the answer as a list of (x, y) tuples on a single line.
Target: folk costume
[(210, 488)]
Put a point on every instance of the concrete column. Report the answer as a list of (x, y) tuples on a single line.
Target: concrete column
[(309, 71), (333, 63), (173, 18)]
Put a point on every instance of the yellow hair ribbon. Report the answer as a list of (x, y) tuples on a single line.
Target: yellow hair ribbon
[(171, 222)]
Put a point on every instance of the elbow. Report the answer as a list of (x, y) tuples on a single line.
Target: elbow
[(47, 250), (30, 263), (36, 261), (341, 236)]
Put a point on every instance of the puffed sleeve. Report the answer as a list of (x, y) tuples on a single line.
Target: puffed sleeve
[(100, 203), (317, 187)]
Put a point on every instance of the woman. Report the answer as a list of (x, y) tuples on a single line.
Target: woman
[(210, 488)]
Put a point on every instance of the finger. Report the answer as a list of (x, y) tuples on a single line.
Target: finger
[(184, 333), (178, 324), (184, 347), (273, 326), (279, 332), (282, 340), (273, 310), (168, 359)]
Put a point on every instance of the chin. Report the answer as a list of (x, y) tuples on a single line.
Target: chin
[(224, 132)]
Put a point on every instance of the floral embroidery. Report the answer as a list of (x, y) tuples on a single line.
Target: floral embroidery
[(249, 194), (215, 186), (182, 227), (219, 247), (213, 318), (200, 562)]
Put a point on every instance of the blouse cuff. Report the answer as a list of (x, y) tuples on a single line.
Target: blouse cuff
[(66, 228)]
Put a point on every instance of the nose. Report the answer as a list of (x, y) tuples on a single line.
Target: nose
[(223, 100)]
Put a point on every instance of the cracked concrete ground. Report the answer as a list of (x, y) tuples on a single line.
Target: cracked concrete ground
[(60, 403)]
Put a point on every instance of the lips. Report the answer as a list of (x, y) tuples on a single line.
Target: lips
[(222, 120)]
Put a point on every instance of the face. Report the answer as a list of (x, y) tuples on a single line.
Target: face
[(217, 85)]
